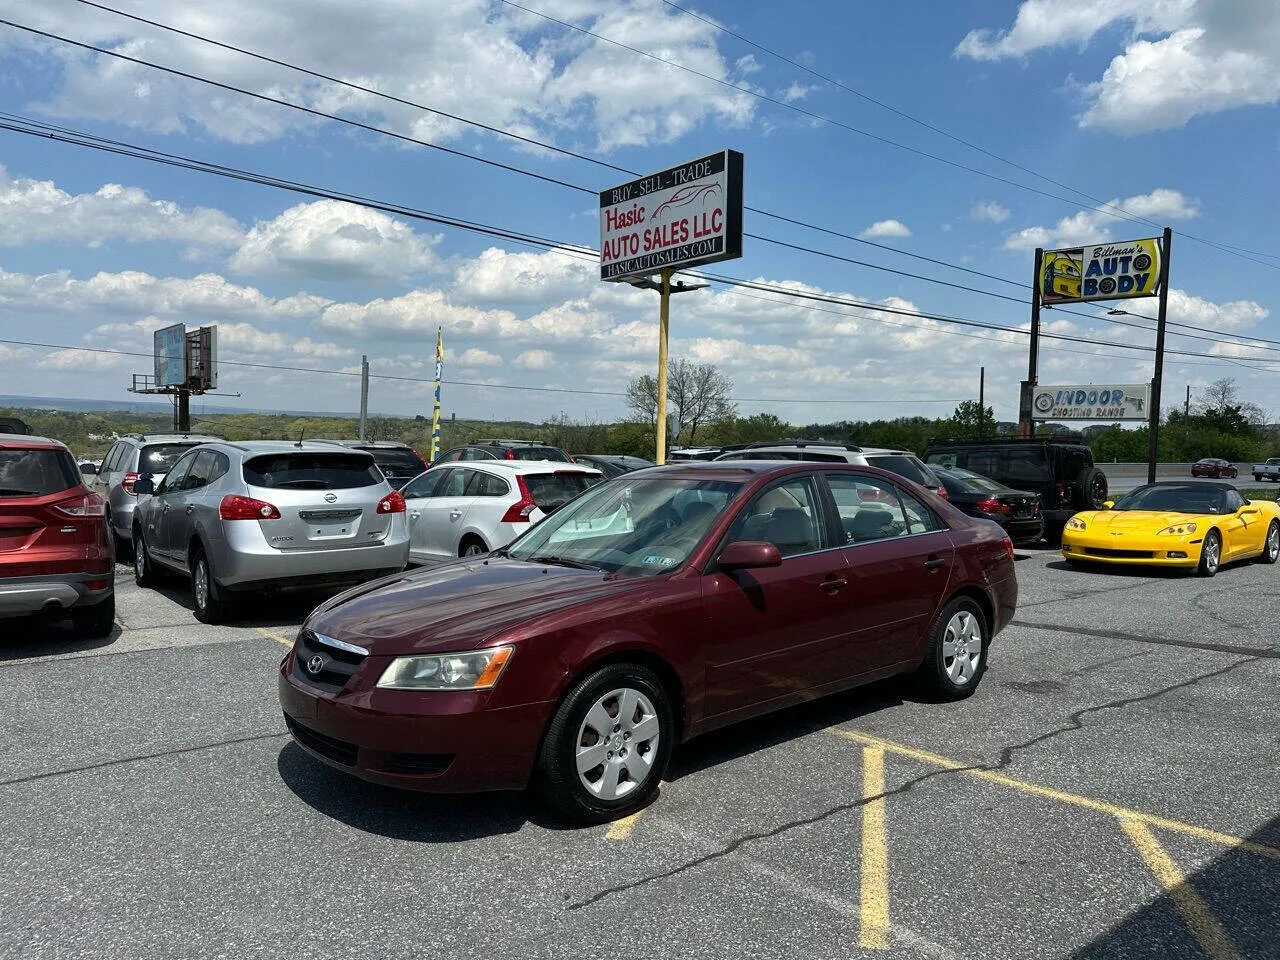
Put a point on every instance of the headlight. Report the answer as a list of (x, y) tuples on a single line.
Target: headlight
[(469, 670), (1075, 523), (1177, 530)]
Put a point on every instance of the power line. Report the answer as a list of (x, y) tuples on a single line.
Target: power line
[(559, 248)]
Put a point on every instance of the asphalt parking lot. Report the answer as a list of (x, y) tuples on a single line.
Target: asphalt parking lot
[(1110, 792)]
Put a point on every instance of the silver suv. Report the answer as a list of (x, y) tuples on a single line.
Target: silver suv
[(131, 456), (902, 462), (268, 515)]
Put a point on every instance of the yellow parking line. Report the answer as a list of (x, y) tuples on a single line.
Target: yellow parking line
[(1204, 926), (621, 829), (873, 933), (272, 635), (1075, 799)]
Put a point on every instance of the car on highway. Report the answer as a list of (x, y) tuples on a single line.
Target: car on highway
[(56, 554), (466, 510), (1061, 470), (398, 462), (267, 515), (1173, 523), (1214, 468), (1267, 471), (504, 450), (1018, 511), (654, 607), (129, 457), (902, 462), (610, 464)]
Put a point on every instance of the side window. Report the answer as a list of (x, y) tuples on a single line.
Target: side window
[(788, 515), (947, 459), (917, 517), (454, 484), (175, 478), (985, 462), (204, 470), (423, 486), (1234, 501), (113, 458), (870, 509), (486, 485), (1026, 465), (454, 455)]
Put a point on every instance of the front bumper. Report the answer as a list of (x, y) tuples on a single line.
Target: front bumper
[(20, 596), (1132, 550), (442, 742)]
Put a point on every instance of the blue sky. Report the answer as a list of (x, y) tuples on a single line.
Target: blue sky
[(1165, 109)]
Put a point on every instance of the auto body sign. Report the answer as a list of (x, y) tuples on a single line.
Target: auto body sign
[(1125, 401), (675, 218), (1104, 271)]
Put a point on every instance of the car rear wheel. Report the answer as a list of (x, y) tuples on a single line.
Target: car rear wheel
[(97, 621), (1271, 546), (209, 596), (144, 574), (1210, 554), (607, 745), (472, 547), (956, 657)]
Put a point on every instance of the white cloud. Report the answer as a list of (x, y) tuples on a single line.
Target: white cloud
[(497, 65), (475, 357), (501, 276), (535, 359), (989, 210), (885, 229), (331, 240), (36, 211), (1182, 58), (795, 91), (1099, 224)]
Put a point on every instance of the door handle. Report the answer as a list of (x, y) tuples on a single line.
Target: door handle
[(414, 514), (833, 584), (934, 563), (454, 514), (190, 507)]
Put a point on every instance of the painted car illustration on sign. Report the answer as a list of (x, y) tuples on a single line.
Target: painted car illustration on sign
[(1061, 276)]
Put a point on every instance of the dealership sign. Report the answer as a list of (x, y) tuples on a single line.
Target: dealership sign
[(170, 345), (675, 218), (1126, 401), (1103, 271)]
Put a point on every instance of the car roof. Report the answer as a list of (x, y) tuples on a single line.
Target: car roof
[(23, 441), (256, 447), (171, 437), (1191, 484), (522, 466), (366, 444)]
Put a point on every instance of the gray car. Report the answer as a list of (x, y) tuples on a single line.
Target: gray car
[(129, 457), (268, 515)]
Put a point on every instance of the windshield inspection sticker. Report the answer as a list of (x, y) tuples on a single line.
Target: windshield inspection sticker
[(654, 560)]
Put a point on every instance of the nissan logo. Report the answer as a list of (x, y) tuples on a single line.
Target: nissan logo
[(330, 498), (315, 664)]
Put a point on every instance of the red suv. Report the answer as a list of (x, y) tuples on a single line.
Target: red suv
[(56, 555)]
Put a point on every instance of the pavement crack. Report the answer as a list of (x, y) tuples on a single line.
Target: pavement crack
[(145, 756), (1257, 653)]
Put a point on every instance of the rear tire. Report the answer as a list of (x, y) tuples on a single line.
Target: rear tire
[(209, 596), (1271, 546), (144, 574), (956, 657), (629, 775), (472, 546), (97, 621), (1210, 554)]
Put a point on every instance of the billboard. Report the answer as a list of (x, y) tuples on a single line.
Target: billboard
[(1103, 271), (676, 218), (202, 358), (1125, 401), (171, 355)]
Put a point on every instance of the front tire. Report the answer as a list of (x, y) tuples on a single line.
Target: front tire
[(1271, 546), (97, 621), (607, 746), (1210, 554), (208, 596), (956, 657)]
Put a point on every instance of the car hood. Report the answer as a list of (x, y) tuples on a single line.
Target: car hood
[(1135, 521), (457, 605)]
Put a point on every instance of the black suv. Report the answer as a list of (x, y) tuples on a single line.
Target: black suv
[(1061, 471), (398, 462), (504, 450)]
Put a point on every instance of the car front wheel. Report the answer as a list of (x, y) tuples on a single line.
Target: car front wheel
[(956, 657), (607, 745), (1210, 554)]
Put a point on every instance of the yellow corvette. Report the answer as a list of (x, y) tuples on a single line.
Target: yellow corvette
[(1175, 523)]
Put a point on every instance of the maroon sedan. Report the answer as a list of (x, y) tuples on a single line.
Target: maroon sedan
[(650, 609), (1214, 467)]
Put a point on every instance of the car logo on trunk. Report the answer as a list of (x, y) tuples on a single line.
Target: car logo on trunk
[(330, 498), (315, 664)]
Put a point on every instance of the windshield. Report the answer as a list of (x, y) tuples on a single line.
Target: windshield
[(1200, 498), (904, 466), (540, 453), (633, 525), (396, 462), (968, 480)]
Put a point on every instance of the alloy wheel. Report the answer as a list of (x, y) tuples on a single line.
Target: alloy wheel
[(473, 550), (1212, 553), (1273, 543), (200, 584), (140, 561), (617, 744), (962, 647)]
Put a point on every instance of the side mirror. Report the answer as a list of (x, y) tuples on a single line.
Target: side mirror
[(750, 555), (144, 486), (1108, 504), (1247, 509)]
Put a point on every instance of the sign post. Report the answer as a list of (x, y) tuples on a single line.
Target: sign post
[(1153, 432), (676, 218), (435, 411)]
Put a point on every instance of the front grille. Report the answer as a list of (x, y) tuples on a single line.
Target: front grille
[(337, 665), (418, 762), (1119, 554), (338, 751)]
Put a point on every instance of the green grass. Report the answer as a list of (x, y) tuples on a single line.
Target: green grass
[(1258, 493)]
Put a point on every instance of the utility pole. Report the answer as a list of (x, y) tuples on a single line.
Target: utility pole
[(982, 404), (1153, 433), (1026, 425), (1186, 406), (364, 394)]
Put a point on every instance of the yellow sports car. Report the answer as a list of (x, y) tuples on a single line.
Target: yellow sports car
[(1061, 277), (1176, 524)]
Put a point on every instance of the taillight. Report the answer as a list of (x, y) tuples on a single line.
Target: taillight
[(511, 454), (942, 492), (83, 505), (519, 512), (235, 507), (993, 505), (1062, 492), (1008, 548), (127, 483), (393, 502)]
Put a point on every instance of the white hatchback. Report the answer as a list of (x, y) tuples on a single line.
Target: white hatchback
[(466, 509)]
